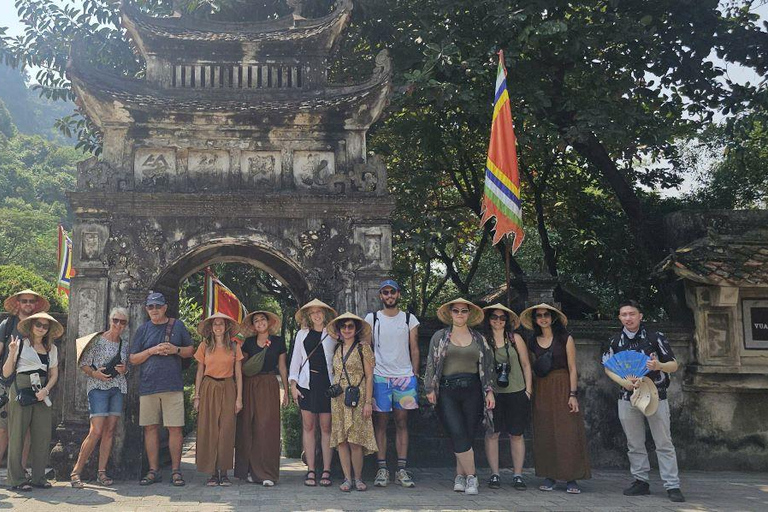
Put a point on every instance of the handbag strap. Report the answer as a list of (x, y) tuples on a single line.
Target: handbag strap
[(319, 344), (169, 330), (345, 357)]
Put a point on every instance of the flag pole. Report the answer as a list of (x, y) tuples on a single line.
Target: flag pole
[(506, 258)]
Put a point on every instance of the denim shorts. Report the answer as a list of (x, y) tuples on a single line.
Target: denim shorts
[(105, 402)]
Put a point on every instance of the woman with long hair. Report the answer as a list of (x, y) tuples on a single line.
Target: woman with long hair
[(34, 362), (257, 443), (559, 437), (309, 378), (102, 357), (512, 386), (218, 396), (459, 380), (352, 427)]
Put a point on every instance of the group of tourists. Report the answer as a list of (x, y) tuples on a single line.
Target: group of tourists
[(349, 376)]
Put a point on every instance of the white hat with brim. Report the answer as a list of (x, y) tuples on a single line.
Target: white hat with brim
[(476, 314), (512, 314), (12, 305), (246, 326), (645, 397), (204, 327), (365, 328), (55, 331), (315, 303), (526, 317), (84, 342)]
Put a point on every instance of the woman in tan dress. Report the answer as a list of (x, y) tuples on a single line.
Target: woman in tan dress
[(351, 425), (559, 437)]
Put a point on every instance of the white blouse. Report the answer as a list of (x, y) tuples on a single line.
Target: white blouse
[(29, 360)]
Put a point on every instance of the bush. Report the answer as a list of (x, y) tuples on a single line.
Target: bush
[(14, 278), (291, 420)]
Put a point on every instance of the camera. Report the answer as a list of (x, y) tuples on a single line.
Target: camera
[(502, 375), (333, 391)]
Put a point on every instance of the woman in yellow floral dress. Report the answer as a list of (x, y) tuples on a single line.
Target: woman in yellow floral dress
[(351, 425)]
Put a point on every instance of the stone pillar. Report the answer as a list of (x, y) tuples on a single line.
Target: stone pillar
[(376, 241), (541, 288)]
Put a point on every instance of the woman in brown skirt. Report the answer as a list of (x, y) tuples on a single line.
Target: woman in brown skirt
[(218, 396), (257, 443), (559, 438)]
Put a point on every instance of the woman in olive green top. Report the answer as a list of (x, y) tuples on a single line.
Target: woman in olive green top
[(458, 380), (512, 386)]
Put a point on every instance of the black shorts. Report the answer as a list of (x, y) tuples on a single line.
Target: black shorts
[(512, 413), (314, 399)]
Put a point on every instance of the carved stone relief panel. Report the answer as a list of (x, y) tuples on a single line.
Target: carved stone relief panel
[(155, 167), (376, 244), (260, 169), (91, 246), (207, 169), (718, 335), (313, 169)]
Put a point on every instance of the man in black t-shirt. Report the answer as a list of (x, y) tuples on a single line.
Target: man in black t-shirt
[(638, 337)]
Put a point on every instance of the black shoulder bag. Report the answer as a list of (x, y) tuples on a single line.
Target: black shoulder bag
[(543, 364), (110, 368), (352, 393)]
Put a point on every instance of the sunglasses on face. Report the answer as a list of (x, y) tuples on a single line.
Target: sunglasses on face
[(498, 317), (349, 325), (150, 307), (119, 321), (543, 315), (458, 311), (387, 293), (27, 301), (41, 325)]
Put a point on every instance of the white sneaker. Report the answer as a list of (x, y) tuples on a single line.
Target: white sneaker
[(460, 483), (471, 485), (403, 478), (268, 483), (382, 478)]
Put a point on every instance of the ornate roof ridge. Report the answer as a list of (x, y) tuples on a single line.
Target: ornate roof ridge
[(199, 29)]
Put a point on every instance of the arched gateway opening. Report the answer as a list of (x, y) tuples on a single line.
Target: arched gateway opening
[(272, 171)]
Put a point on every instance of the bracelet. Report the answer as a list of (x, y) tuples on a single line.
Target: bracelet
[(574, 394)]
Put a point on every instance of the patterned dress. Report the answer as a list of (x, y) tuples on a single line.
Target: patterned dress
[(347, 423)]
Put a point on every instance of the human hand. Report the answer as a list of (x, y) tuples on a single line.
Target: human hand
[(432, 397), (490, 400), (653, 364), (121, 368), (367, 411), (196, 403), (238, 405), (573, 404), (296, 394), (41, 394), (13, 346), (284, 400), (631, 383), (100, 375)]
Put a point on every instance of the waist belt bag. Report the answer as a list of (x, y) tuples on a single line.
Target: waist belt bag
[(543, 364), (255, 363), (459, 381), (27, 396)]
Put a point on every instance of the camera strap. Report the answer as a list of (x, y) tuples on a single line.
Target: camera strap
[(346, 356), (319, 344), (506, 348)]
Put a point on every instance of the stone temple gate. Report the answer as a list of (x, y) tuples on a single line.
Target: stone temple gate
[(233, 148)]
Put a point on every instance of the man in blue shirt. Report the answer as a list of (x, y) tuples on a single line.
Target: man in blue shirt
[(158, 347)]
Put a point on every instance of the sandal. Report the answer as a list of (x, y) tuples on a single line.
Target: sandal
[(360, 485), (346, 486), (25, 487), (177, 480), (572, 487), (325, 481), (548, 485), (103, 479), (224, 481), (310, 481), (45, 485), (153, 476), (213, 481), (75, 481)]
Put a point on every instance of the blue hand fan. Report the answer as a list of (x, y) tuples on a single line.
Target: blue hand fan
[(628, 363)]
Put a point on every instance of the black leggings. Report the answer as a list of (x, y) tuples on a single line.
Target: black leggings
[(461, 411)]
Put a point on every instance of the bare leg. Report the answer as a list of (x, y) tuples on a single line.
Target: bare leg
[(382, 420), (152, 445), (25, 451), (401, 426), (517, 447), (357, 460), (325, 439), (308, 421), (466, 461), (175, 443), (346, 460), (492, 452), (105, 448), (89, 443)]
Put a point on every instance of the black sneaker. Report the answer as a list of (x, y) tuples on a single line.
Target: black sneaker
[(638, 488), (495, 481), (675, 495), (518, 483)]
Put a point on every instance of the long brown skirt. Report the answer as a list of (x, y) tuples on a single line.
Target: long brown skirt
[(559, 438), (258, 429), (216, 425)]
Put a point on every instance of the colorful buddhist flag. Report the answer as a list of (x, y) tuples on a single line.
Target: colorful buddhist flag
[(501, 197), (64, 255), (220, 299)]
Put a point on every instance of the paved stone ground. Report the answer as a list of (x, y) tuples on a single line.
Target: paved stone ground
[(705, 491)]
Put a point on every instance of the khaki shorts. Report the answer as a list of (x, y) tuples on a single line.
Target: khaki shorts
[(166, 408)]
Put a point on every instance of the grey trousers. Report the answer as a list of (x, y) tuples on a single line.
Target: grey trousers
[(633, 423)]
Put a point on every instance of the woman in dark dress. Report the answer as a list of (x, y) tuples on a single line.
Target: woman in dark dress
[(559, 437), (309, 378), (257, 441)]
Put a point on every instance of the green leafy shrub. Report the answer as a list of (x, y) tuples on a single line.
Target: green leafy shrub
[(14, 278), (291, 420)]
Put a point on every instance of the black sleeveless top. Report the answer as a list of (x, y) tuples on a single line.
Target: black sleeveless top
[(559, 357)]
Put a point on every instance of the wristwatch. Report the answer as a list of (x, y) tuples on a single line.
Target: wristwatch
[(178, 350)]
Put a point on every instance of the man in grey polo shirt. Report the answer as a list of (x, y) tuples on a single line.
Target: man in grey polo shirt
[(158, 347)]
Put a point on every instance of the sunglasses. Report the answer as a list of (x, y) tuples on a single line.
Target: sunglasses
[(498, 317), (546, 314), (349, 325), (150, 307), (41, 325), (27, 301), (119, 321), (387, 293), (462, 311)]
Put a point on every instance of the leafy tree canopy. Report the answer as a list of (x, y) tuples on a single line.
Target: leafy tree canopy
[(14, 278)]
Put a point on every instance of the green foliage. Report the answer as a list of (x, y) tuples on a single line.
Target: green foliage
[(290, 417), (14, 278), (7, 128)]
